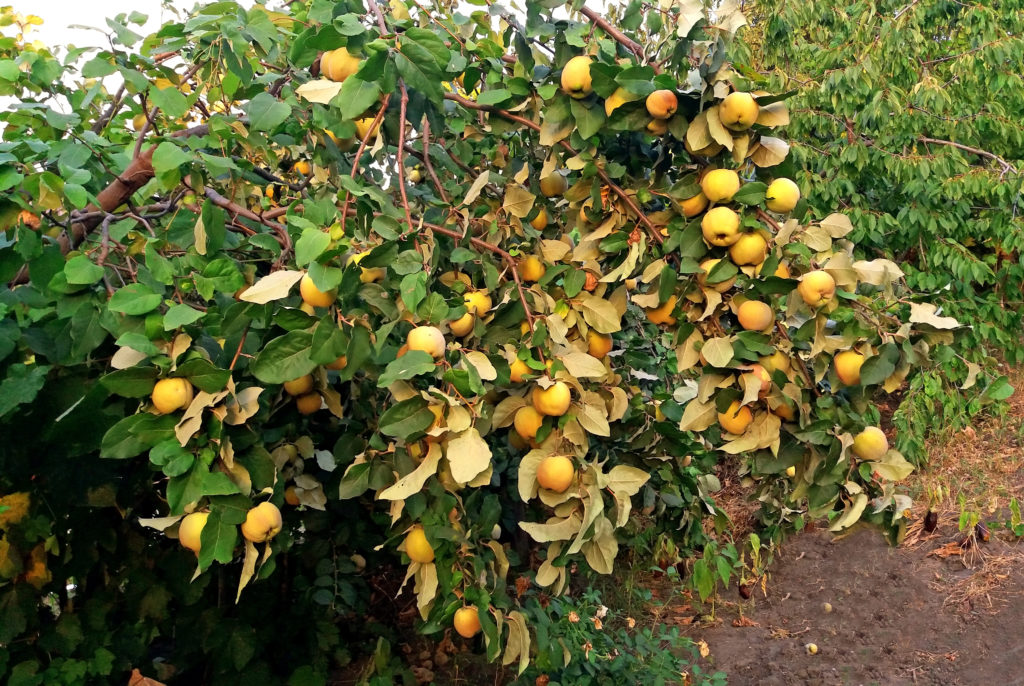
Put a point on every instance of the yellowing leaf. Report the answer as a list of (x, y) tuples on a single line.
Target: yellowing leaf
[(518, 643), (893, 466), (924, 313), (478, 185), (698, 135), (242, 405), (719, 133), (698, 416), (770, 151), (853, 511), (877, 272), (837, 224), (482, 365), (775, 114), (274, 286), (594, 419), (601, 315), (248, 567), (518, 200), (412, 482), (320, 90), (555, 529), (468, 455), (602, 549), (625, 479), (581, 365), (718, 352)]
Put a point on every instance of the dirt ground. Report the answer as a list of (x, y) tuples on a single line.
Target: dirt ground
[(929, 612), (898, 616)]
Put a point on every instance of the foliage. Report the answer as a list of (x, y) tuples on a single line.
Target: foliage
[(930, 167), (586, 643), (278, 239)]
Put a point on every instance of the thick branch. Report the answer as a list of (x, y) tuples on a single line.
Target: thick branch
[(799, 362)]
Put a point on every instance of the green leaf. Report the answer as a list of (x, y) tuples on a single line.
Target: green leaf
[(637, 80), (589, 119), (134, 382), (217, 541), (406, 418), (134, 299), (136, 433), (494, 97), (204, 375), (751, 193), (356, 96), (878, 368), (285, 358), (311, 245), (181, 315), (171, 101), (21, 386), (169, 156), (266, 112), (417, 67), (413, 289), (413, 363)]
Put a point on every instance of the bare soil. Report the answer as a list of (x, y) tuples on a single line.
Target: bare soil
[(898, 615)]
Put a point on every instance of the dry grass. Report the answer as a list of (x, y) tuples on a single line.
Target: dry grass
[(975, 473), (979, 469)]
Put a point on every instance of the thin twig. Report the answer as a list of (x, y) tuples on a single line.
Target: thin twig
[(799, 361), (652, 230), (429, 166), (1007, 167)]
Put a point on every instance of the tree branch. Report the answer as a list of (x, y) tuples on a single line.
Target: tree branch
[(1007, 167), (652, 230), (618, 35)]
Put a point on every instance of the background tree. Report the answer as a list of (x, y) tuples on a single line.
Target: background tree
[(350, 292), (910, 119)]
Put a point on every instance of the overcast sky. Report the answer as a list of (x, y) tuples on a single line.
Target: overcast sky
[(59, 16)]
